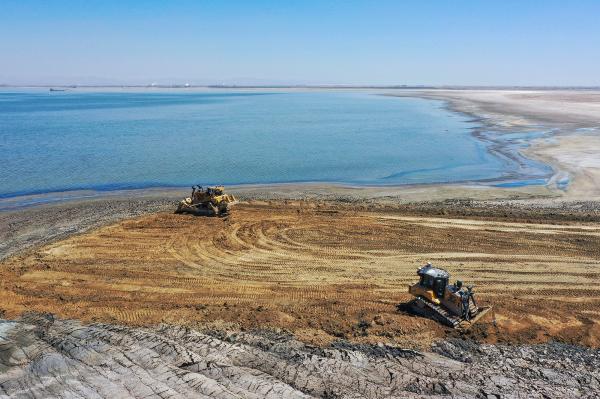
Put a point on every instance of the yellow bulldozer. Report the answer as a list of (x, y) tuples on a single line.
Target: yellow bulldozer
[(209, 201), (450, 304)]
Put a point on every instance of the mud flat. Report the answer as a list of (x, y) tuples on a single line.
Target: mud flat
[(578, 156), (572, 117), (41, 356), (31, 221)]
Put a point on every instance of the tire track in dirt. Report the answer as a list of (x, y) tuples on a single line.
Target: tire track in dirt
[(328, 274)]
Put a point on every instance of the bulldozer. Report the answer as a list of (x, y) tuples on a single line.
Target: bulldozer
[(451, 304), (209, 201)]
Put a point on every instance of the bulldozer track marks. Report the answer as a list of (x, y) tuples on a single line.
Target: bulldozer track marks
[(336, 274)]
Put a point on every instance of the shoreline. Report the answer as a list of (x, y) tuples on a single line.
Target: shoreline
[(26, 228), (569, 117), (476, 190), (563, 138)]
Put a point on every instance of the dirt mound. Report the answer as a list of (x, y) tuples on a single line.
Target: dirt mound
[(41, 356)]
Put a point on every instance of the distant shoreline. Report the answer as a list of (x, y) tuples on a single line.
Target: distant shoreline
[(327, 191), (333, 86), (571, 113), (514, 172)]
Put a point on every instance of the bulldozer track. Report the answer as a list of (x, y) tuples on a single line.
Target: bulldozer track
[(436, 312), (331, 274)]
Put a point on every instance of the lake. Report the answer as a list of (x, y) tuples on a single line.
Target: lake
[(58, 141)]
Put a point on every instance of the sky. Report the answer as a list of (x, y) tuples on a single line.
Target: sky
[(379, 42)]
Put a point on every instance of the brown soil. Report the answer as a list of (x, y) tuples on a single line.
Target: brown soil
[(319, 271)]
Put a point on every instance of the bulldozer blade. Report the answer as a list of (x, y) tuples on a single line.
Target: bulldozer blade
[(466, 324), (204, 212)]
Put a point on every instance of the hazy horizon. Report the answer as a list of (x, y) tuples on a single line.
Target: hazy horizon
[(356, 43)]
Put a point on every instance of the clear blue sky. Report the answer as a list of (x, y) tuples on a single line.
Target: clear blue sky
[(484, 42)]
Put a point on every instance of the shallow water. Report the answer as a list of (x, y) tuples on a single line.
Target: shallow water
[(55, 141)]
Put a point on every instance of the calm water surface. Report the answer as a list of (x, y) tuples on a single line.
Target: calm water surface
[(54, 141)]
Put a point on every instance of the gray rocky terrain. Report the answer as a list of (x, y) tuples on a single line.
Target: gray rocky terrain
[(41, 356)]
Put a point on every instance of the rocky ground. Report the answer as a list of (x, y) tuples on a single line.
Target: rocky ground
[(41, 356)]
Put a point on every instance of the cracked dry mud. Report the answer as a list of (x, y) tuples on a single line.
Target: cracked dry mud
[(41, 356)]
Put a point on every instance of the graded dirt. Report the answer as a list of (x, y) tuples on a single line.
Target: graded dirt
[(320, 272)]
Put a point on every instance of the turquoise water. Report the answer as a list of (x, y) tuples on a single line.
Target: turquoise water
[(56, 141)]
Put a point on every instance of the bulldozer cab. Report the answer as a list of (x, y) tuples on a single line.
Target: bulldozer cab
[(433, 279), (199, 194), (218, 190), (439, 286)]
